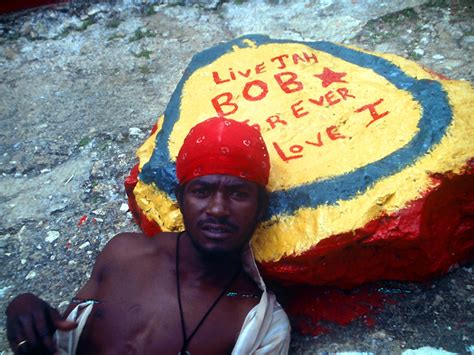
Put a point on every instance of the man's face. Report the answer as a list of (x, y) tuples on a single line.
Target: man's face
[(220, 212)]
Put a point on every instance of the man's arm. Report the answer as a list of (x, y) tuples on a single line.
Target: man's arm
[(32, 322)]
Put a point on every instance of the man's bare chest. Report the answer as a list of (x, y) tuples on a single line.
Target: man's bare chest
[(144, 318)]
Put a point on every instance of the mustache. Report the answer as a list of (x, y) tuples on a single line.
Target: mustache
[(222, 221)]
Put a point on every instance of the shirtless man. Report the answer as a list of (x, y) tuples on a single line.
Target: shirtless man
[(192, 292)]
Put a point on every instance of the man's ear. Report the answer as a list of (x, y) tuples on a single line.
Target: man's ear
[(263, 197)]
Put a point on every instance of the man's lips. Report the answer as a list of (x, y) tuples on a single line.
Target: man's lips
[(216, 228)]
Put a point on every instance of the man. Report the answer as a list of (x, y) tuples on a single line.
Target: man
[(197, 291)]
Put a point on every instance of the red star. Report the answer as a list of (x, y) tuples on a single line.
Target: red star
[(328, 77)]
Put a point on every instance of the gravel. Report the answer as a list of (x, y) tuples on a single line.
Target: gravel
[(82, 84)]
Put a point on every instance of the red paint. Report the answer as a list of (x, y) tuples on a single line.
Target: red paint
[(421, 241), (310, 57), (318, 102), (263, 87), (82, 220), (330, 98), (150, 228), (273, 120), (297, 110), (217, 103), (311, 308), (255, 125), (333, 133), (319, 141), (9, 6), (154, 129), (287, 158), (280, 59), (245, 74), (288, 83), (329, 77), (259, 68), (435, 74), (217, 79), (296, 58), (344, 93), (373, 112)]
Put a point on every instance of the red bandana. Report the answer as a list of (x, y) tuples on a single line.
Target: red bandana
[(223, 146)]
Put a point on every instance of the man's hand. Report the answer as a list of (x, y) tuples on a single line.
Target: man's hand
[(31, 323)]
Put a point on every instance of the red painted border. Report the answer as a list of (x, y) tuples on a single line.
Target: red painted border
[(422, 241), (149, 227), (10, 6)]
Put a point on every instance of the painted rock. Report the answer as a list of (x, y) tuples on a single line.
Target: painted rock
[(372, 158)]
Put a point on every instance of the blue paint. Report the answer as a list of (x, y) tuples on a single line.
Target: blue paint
[(436, 117)]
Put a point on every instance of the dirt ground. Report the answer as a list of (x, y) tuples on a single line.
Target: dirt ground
[(81, 85)]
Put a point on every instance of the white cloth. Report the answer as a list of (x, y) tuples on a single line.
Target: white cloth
[(266, 329)]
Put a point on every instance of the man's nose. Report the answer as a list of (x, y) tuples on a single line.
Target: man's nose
[(218, 206)]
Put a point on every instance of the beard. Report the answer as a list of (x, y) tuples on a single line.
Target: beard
[(216, 255)]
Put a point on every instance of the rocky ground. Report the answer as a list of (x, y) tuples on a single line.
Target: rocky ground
[(81, 85)]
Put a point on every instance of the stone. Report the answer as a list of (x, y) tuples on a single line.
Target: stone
[(468, 39), (99, 87), (4, 290), (206, 4), (295, 20), (93, 11), (52, 236), (31, 275), (453, 63), (29, 200), (332, 198), (438, 300), (419, 51), (10, 53), (84, 245), (135, 131)]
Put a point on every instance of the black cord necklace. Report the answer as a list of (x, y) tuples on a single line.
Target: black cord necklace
[(187, 340)]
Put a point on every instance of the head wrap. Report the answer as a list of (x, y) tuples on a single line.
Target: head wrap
[(223, 146)]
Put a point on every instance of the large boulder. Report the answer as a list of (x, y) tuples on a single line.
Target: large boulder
[(372, 171)]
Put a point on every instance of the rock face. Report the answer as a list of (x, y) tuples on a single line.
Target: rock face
[(372, 166), (81, 82)]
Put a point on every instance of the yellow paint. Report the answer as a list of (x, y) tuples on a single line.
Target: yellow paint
[(362, 144), (283, 235), (290, 235), (158, 207), (145, 152)]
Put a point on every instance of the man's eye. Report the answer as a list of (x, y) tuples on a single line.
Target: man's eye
[(240, 194), (200, 192)]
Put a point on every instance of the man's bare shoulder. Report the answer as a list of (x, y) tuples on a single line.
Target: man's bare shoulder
[(131, 245), (124, 257)]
